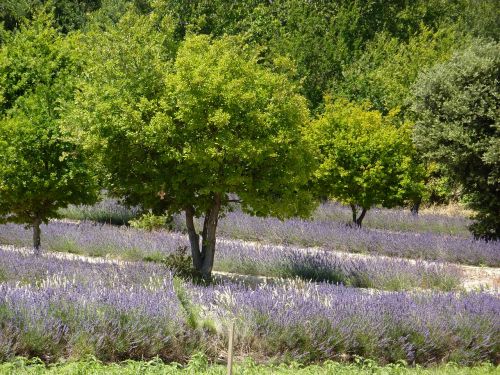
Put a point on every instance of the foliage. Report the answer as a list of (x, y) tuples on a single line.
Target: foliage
[(322, 37), (179, 262), (198, 364), (384, 73), (457, 124), (69, 14), (106, 210), (239, 130), (40, 169), (215, 122), (150, 222), (365, 157)]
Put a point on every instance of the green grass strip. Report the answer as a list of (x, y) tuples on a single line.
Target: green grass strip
[(200, 365)]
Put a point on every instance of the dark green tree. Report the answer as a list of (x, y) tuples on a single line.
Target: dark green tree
[(456, 107), (69, 14)]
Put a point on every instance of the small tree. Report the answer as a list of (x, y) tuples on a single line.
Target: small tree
[(365, 159), (40, 170), (457, 125), (183, 136)]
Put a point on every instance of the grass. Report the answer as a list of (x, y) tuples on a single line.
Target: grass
[(200, 365)]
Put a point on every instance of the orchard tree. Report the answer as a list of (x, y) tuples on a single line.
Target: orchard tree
[(384, 73), (189, 135), (40, 169), (365, 158), (456, 107), (68, 14)]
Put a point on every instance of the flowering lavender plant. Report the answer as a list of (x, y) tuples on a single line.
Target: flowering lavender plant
[(245, 258), (54, 308)]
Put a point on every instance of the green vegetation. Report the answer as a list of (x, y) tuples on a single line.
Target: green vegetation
[(40, 169), (365, 158), (204, 96), (457, 125), (214, 122), (238, 115), (199, 365)]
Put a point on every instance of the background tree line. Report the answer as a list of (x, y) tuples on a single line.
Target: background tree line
[(179, 105)]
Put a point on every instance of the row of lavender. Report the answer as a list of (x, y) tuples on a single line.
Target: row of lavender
[(328, 229), (243, 258), (396, 219), (340, 237), (399, 219), (55, 308)]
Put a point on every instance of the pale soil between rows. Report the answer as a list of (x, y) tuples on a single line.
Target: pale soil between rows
[(474, 278)]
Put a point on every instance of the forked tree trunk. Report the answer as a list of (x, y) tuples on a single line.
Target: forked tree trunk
[(358, 220), (37, 236), (203, 256)]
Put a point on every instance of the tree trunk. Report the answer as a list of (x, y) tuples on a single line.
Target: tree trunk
[(354, 213), (37, 235), (355, 219), (209, 237), (194, 239), (416, 206), (203, 260), (359, 220)]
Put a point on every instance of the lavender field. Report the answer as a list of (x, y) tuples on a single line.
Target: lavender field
[(243, 258), (385, 295), (111, 211), (395, 232), (54, 308)]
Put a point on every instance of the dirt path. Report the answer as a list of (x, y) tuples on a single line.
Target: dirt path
[(474, 278), (481, 277)]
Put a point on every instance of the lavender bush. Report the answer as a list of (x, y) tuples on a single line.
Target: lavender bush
[(243, 258), (311, 322), (340, 237), (328, 230), (52, 308), (106, 211), (119, 311), (397, 219)]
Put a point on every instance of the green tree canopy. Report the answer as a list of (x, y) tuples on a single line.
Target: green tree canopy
[(68, 14), (184, 136), (384, 73), (456, 107), (365, 157), (322, 37), (40, 169)]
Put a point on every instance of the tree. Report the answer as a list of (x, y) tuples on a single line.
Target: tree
[(455, 105), (322, 37), (186, 136), (384, 73), (68, 14), (40, 169), (365, 158)]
